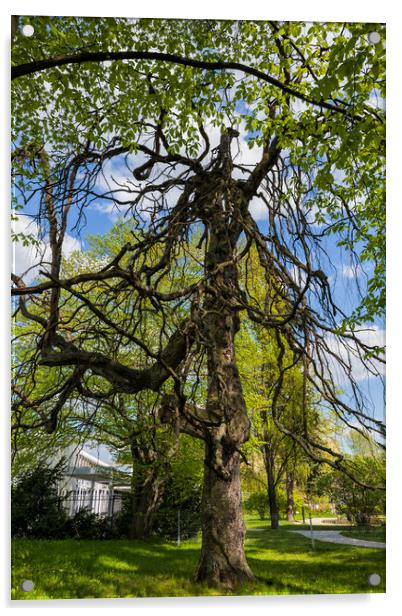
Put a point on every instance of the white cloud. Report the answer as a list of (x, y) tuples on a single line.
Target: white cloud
[(351, 271), (352, 356), (298, 106), (258, 209), (298, 275), (244, 155), (28, 259), (70, 244), (375, 100), (116, 179)]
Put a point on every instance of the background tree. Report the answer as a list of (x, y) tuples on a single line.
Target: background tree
[(355, 502), (127, 426), (284, 459)]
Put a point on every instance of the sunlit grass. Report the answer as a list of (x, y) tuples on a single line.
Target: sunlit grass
[(368, 533), (283, 563)]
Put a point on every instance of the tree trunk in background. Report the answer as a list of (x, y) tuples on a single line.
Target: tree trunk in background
[(290, 505), (146, 497), (272, 500), (147, 487)]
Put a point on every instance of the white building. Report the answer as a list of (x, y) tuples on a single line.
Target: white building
[(90, 483)]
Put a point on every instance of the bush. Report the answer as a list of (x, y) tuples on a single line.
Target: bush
[(357, 503), (36, 507), (121, 521), (37, 510), (167, 523), (189, 504), (87, 525), (257, 502)]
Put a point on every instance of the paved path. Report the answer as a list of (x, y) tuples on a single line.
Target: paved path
[(334, 536)]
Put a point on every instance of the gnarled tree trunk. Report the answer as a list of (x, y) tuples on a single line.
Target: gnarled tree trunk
[(223, 424), (223, 560)]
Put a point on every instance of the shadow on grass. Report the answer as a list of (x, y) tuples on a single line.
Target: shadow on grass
[(77, 569), (287, 560), (283, 563)]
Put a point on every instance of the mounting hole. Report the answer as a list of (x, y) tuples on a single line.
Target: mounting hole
[(374, 38), (27, 585), (374, 579), (28, 30)]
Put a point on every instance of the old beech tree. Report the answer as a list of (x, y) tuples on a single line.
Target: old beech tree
[(247, 136)]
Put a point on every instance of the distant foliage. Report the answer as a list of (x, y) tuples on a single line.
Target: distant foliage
[(87, 525), (180, 510), (358, 504), (257, 503), (36, 508)]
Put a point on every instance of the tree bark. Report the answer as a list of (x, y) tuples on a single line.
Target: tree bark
[(272, 499), (223, 561), (290, 505)]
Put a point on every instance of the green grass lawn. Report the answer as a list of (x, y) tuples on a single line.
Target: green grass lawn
[(283, 563), (373, 533)]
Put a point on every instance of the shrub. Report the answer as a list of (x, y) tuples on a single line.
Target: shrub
[(37, 510), (257, 502), (357, 503), (36, 507), (87, 525), (189, 504), (167, 523)]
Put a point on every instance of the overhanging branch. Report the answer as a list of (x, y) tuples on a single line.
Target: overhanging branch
[(123, 378), (37, 66)]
